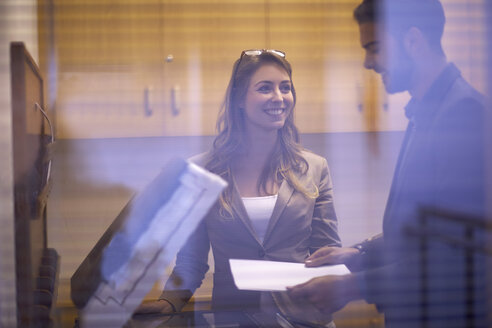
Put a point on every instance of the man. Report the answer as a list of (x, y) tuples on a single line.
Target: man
[(441, 165)]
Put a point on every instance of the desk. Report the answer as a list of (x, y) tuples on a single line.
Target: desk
[(357, 314), (201, 319)]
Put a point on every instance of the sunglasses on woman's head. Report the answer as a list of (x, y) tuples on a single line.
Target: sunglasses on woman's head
[(256, 52)]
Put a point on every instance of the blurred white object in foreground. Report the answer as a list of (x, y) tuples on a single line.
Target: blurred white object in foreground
[(134, 251)]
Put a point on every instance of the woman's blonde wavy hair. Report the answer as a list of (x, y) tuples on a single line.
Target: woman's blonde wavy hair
[(285, 161)]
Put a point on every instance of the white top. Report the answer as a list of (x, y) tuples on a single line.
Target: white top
[(260, 211)]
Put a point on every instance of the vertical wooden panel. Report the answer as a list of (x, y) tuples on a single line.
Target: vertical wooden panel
[(321, 41)]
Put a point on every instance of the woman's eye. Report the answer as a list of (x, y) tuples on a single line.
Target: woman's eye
[(285, 88), (264, 88)]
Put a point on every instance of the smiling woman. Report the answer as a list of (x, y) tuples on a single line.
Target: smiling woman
[(278, 205), (269, 100)]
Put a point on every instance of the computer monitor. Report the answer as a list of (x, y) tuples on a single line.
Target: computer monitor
[(36, 266)]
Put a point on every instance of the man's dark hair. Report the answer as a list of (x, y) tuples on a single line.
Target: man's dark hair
[(399, 16), (367, 11)]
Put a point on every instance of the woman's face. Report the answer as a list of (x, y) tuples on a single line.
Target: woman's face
[(269, 99)]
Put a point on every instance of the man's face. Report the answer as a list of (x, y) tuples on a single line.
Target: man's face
[(386, 56)]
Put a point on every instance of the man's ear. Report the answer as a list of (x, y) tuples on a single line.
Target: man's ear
[(414, 42)]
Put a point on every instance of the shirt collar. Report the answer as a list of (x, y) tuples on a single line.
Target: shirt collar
[(417, 109)]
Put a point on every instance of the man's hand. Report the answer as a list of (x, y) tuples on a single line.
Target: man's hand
[(159, 306), (333, 255), (328, 293)]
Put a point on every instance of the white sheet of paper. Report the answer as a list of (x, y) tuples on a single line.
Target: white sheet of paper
[(276, 276)]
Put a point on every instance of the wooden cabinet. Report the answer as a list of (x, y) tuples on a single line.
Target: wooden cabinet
[(160, 67), (148, 68)]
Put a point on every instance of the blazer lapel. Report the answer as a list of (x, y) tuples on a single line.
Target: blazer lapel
[(241, 214), (284, 194)]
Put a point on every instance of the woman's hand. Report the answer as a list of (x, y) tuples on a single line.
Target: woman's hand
[(159, 306), (333, 255)]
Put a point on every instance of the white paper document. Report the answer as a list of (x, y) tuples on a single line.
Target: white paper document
[(276, 276)]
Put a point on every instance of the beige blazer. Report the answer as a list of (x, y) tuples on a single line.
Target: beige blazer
[(299, 225)]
